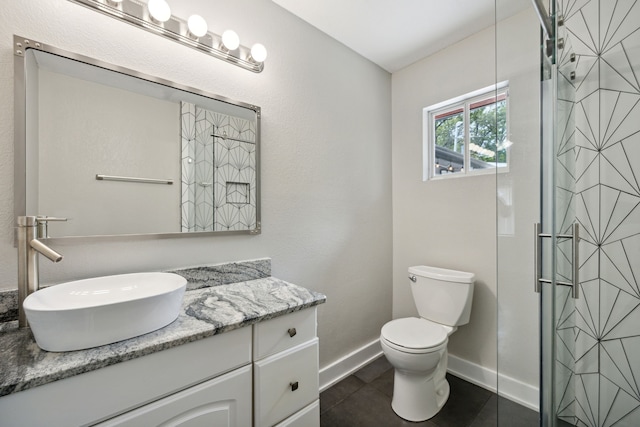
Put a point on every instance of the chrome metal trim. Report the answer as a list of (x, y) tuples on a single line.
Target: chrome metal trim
[(21, 45), (537, 259), (224, 136), (545, 19), (133, 179), (135, 13), (26, 43), (43, 225), (575, 292), (20, 130)]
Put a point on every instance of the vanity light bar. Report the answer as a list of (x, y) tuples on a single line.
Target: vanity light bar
[(137, 13)]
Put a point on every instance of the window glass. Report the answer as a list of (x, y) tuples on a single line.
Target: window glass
[(487, 132), (449, 141), (468, 134)]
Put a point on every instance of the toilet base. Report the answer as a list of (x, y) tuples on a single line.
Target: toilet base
[(418, 398)]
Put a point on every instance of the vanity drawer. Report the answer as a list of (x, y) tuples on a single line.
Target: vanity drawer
[(284, 383), (283, 332), (307, 417)]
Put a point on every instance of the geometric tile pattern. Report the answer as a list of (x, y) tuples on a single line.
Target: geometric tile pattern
[(597, 379), (218, 173), (235, 173), (188, 138)]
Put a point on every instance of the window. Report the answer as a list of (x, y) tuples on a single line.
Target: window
[(467, 135)]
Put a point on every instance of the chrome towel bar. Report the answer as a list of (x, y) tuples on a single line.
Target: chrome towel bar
[(133, 179)]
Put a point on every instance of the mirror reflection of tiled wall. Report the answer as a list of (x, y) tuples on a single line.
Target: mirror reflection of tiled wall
[(218, 171)]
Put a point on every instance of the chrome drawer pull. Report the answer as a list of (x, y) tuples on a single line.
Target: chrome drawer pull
[(292, 333), (294, 386)]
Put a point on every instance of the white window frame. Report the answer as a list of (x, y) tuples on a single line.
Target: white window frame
[(461, 102)]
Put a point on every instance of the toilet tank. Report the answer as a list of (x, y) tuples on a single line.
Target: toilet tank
[(442, 296)]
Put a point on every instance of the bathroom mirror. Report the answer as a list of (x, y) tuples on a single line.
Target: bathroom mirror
[(118, 152)]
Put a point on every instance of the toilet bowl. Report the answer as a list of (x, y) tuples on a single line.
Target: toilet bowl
[(417, 347)]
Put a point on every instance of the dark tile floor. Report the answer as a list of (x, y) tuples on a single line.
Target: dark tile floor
[(364, 400)]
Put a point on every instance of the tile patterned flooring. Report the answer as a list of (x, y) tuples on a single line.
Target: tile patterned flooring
[(364, 400)]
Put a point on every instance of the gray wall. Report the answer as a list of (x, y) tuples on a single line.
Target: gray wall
[(326, 170)]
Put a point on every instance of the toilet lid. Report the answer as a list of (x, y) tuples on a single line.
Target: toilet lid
[(414, 333)]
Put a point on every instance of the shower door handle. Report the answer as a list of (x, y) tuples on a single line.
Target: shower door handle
[(575, 277), (537, 259)]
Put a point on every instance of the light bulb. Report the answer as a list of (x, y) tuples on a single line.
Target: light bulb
[(159, 10), (197, 25), (230, 40), (258, 52)]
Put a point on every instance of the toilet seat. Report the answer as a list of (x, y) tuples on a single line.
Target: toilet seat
[(414, 335)]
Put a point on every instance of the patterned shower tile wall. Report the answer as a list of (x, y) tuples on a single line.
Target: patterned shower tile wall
[(598, 346), (188, 137), (235, 170), (204, 171), (219, 171)]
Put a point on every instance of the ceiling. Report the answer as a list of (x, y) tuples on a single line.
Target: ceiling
[(397, 33)]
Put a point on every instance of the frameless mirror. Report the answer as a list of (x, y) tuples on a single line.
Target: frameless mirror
[(117, 152)]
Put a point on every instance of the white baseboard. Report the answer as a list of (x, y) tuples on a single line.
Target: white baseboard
[(347, 365), (510, 388), (507, 387)]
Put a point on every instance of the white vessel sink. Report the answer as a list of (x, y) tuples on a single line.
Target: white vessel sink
[(93, 312)]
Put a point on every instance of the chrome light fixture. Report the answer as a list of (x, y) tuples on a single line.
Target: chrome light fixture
[(155, 16)]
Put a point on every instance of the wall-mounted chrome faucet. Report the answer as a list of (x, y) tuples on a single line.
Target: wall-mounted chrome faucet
[(30, 228)]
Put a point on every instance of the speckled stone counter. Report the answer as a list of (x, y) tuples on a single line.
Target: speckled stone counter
[(206, 311)]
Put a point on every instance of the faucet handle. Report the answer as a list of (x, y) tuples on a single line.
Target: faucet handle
[(43, 222), (41, 218)]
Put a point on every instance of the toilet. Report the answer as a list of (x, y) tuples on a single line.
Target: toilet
[(417, 347)]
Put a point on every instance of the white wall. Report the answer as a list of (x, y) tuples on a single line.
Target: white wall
[(326, 146), (448, 223), (451, 223)]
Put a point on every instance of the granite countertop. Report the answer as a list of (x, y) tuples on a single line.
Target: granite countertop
[(208, 309)]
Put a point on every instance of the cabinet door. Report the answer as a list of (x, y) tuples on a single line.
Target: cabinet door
[(221, 402)]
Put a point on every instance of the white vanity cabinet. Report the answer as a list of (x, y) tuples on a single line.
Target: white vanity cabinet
[(170, 377), (285, 371), (261, 375)]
